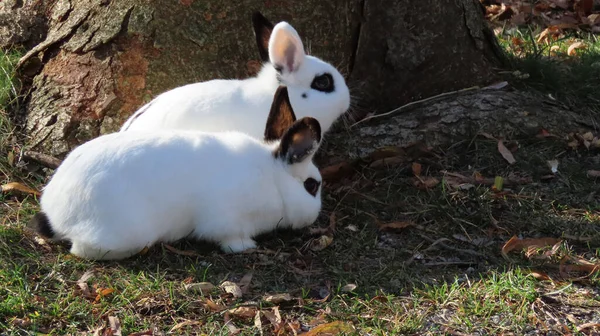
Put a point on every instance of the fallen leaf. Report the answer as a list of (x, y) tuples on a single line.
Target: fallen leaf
[(201, 287), (572, 50), (333, 328), (553, 164), (103, 292), (244, 282), (16, 186), (184, 324), (11, 158), (275, 318), (416, 169), (115, 325), (243, 312), (577, 265), (212, 306), (321, 243), (540, 275), (257, 321), (278, 299), (593, 173), (83, 286), (180, 252), (149, 332), (395, 225), (506, 154), (352, 228), (587, 326), (233, 330), (348, 288), (232, 288), (337, 171), (426, 182), (516, 243), (488, 136), (388, 162)]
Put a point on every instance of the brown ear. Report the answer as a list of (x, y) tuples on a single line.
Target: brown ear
[(262, 33), (281, 117), (300, 141)]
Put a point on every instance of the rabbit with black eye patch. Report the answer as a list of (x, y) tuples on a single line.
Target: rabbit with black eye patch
[(121, 192), (316, 89)]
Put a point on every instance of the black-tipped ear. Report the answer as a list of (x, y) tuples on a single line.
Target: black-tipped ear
[(281, 117), (300, 141), (262, 33)]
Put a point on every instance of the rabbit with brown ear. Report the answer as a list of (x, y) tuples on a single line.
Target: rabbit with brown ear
[(316, 89), (121, 192)]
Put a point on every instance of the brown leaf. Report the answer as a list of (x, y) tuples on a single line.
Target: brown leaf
[(506, 154), (426, 182), (148, 332), (275, 318), (233, 330), (593, 173), (278, 299), (540, 275), (572, 50), (115, 325), (416, 169), (587, 326), (337, 171), (16, 186), (516, 243), (395, 225), (232, 288), (577, 265), (244, 282), (333, 328), (83, 286), (243, 312), (184, 324), (258, 321), (180, 252), (102, 292), (321, 243), (388, 162), (212, 306)]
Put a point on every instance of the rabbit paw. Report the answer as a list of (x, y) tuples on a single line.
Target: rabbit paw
[(237, 245)]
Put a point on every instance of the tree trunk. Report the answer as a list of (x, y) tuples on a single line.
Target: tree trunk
[(104, 59)]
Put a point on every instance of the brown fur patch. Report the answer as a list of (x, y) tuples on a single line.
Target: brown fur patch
[(281, 117)]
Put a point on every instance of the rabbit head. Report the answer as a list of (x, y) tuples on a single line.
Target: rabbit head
[(315, 88), (295, 142)]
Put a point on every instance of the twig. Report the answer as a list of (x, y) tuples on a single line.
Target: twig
[(415, 103), (41, 158)]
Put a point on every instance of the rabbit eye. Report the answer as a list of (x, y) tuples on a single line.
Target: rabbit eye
[(323, 83), (312, 186)]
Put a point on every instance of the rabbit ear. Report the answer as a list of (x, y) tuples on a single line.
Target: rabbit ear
[(300, 141), (262, 32), (286, 51), (281, 116)]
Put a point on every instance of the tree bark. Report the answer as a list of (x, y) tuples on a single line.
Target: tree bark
[(104, 59)]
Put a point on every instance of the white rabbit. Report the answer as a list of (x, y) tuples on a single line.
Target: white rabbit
[(316, 89), (121, 192)]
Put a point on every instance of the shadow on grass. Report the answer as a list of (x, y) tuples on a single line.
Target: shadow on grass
[(413, 273)]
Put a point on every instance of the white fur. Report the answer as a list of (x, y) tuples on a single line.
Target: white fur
[(121, 192), (243, 105)]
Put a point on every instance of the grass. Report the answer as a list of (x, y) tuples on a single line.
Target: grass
[(442, 273)]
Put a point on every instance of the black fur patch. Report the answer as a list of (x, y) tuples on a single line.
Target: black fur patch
[(41, 225), (323, 83), (304, 95), (299, 141), (262, 32)]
